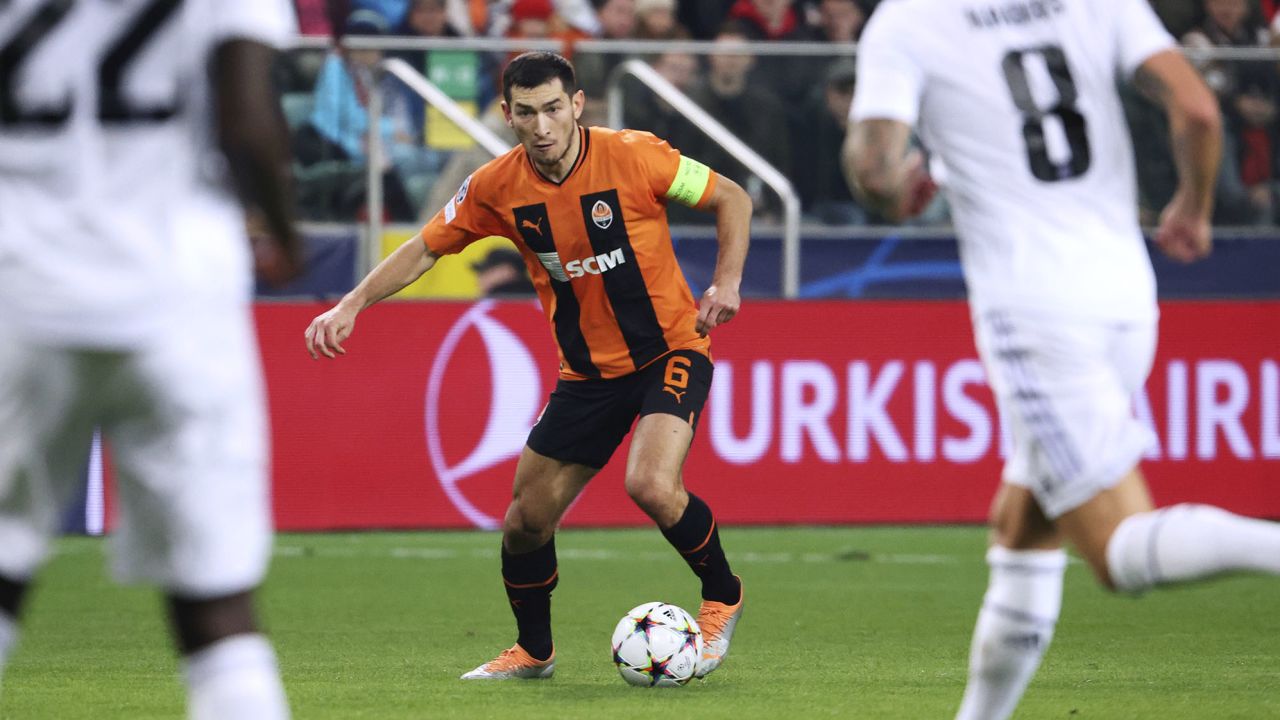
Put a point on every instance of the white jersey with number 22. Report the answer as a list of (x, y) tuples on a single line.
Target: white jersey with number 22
[(114, 208)]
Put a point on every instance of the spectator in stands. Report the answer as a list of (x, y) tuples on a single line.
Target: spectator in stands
[(502, 273), (338, 125), (656, 20), (617, 22), (313, 17), (567, 19), (645, 111), (470, 18), (836, 21), (749, 110), (617, 19), (1247, 92), (768, 19), (1178, 16), (816, 172), (393, 10), (427, 19), (703, 18), (531, 19)]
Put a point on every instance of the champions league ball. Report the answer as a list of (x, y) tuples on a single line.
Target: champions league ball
[(657, 645)]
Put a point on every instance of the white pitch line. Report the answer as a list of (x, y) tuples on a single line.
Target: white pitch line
[(751, 558)]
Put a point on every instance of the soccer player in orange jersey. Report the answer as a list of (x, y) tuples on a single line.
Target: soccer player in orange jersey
[(587, 209)]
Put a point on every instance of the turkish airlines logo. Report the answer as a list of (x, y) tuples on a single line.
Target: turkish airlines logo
[(514, 402), (602, 215)]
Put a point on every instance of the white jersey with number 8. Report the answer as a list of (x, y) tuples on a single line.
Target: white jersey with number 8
[(1017, 99)]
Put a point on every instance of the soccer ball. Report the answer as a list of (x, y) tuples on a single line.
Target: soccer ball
[(656, 644)]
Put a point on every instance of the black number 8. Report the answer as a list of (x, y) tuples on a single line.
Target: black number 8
[(113, 107), (1042, 166)]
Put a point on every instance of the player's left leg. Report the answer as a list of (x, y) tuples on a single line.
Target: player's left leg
[(543, 490), (188, 432), (1132, 546), (12, 594), (673, 402), (228, 663), (1129, 544)]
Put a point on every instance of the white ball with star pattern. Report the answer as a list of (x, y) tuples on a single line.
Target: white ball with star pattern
[(657, 645)]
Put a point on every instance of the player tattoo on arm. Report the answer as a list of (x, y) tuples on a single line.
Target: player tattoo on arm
[(883, 174)]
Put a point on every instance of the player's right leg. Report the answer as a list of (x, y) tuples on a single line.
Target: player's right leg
[(543, 489), (577, 433), (46, 427), (1020, 609)]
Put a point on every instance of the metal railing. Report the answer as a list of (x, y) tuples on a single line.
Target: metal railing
[(435, 97), (758, 48), (722, 136), (369, 250)]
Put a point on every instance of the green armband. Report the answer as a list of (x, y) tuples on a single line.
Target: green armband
[(690, 182)]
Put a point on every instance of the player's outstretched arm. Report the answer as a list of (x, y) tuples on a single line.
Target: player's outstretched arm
[(886, 177), (1195, 133), (732, 206), (330, 329), (254, 137)]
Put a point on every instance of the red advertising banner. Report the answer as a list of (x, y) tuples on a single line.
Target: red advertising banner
[(820, 412)]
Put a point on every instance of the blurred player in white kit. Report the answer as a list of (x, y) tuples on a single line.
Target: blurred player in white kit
[(125, 304), (1018, 101)]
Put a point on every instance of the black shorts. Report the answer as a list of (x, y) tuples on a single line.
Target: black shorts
[(586, 420)]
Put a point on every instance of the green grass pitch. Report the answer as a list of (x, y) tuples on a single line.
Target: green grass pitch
[(840, 622)]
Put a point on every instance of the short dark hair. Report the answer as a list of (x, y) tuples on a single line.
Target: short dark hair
[(532, 69)]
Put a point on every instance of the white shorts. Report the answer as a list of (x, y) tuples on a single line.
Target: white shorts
[(184, 425), (1065, 388)]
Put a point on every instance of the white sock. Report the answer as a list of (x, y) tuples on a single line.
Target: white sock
[(1189, 542), (8, 638), (1015, 625), (237, 678)]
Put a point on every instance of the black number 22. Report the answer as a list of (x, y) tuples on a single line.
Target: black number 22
[(113, 106), (1073, 123)]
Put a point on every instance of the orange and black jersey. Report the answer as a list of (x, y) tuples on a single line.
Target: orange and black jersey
[(596, 244)]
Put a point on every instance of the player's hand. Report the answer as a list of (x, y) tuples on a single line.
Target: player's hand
[(275, 260), (920, 188), (718, 306), (1184, 234), (327, 332)]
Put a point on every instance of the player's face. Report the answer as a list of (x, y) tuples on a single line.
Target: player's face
[(1228, 14), (545, 119)]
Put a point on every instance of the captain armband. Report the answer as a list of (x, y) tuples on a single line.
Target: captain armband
[(690, 182)]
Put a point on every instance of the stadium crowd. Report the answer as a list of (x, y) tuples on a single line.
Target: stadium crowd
[(792, 109)]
